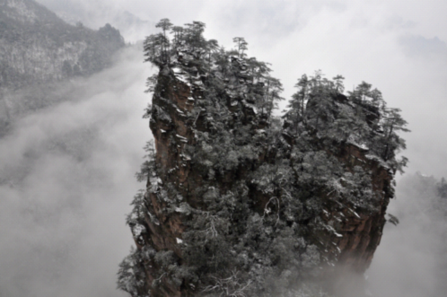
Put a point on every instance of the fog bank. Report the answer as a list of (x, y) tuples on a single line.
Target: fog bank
[(411, 260), (67, 178)]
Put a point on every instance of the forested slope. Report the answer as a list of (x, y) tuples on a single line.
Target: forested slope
[(38, 50)]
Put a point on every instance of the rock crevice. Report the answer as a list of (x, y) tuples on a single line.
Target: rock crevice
[(240, 202)]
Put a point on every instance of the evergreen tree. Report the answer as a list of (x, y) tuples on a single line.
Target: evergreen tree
[(241, 46), (258, 193)]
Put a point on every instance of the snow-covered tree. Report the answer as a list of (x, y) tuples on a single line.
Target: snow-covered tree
[(263, 198)]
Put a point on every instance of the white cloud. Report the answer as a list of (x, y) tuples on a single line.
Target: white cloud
[(66, 182), (411, 259)]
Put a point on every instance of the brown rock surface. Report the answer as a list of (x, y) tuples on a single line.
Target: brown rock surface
[(352, 238), (242, 203)]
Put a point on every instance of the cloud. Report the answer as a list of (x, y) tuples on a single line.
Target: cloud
[(416, 45), (67, 179), (411, 259)]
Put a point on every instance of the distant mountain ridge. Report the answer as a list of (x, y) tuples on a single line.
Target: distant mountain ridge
[(133, 28), (37, 47)]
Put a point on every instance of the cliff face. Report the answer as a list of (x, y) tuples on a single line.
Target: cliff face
[(240, 203), (37, 48)]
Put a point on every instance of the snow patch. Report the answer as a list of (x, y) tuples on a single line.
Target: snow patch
[(138, 230)]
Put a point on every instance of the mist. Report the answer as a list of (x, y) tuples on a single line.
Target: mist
[(67, 171), (67, 179), (412, 258)]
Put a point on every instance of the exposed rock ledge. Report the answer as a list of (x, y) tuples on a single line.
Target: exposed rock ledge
[(240, 203)]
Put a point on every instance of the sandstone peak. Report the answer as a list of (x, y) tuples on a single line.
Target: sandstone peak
[(240, 202)]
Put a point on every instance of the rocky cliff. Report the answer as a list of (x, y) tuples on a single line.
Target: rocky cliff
[(242, 203), (37, 49)]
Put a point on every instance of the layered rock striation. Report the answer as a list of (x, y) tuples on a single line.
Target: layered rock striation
[(242, 203)]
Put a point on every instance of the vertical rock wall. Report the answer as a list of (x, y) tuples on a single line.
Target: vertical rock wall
[(242, 203), (345, 234)]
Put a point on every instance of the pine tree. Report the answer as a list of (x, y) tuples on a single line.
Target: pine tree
[(254, 194), (241, 46)]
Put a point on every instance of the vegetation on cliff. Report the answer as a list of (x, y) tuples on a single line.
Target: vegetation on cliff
[(240, 202)]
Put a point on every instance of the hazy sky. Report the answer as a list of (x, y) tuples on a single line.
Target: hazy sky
[(398, 46)]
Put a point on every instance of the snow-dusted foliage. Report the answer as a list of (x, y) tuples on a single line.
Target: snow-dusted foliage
[(38, 51), (131, 273), (264, 198)]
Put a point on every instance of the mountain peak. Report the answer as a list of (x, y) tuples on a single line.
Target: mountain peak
[(240, 202)]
